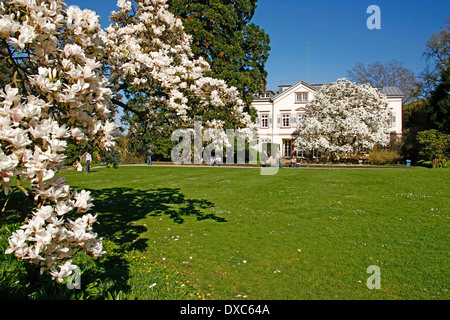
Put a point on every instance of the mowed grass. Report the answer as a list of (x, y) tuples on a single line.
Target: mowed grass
[(233, 233)]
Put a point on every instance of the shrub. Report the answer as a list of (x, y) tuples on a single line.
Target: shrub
[(101, 279), (433, 145), (380, 157)]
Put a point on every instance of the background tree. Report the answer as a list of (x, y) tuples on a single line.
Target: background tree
[(164, 84), (433, 111), (222, 33), (415, 119), (437, 53), (75, 151), (389, 74), (342, 118), (437, 78), (434, 145), (439, 103), (235, 49)]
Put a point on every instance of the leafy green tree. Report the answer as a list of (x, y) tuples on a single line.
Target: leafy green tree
[(223, 34), (110, 158), (435, 145), (236, 50), (156, 140), (73, 152), (437, 78), (415, 119), (433, 112), (439, 103), (437, 53)]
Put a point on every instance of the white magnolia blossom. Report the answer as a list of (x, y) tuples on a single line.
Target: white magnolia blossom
[(343, 117), (61, 94), (149, 51)]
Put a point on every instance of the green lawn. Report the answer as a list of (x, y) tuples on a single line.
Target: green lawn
[(231, 233)]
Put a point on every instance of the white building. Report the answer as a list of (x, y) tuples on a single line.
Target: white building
[(280, 111)]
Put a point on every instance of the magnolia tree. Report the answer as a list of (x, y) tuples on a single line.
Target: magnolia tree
[(68, 75), (58, 91), (344, 117), (152, 65)]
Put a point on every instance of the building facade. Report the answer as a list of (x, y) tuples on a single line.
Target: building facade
[(280, 111)]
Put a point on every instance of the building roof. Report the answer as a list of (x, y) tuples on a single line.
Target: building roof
[(392, 91), (272, 95)]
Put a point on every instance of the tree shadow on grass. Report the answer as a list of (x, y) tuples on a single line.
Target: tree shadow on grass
[(119, 212), (120, 208)]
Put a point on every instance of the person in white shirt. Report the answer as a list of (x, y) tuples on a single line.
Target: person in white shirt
[(278, 158), (88, 158), (78, 166), (218, 160)]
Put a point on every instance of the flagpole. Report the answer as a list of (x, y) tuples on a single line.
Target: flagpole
[(307, 62)]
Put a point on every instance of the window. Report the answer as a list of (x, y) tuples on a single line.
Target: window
[(287, 148), (301, 116), (392, 119), (264, 121), (309, 155), (264, 142), (301, 97), (302, 153), (362, 150), (285, 120)]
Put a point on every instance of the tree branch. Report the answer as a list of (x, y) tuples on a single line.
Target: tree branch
[(140, 113)]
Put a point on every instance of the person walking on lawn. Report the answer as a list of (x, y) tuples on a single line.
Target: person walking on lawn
[(88, 158)]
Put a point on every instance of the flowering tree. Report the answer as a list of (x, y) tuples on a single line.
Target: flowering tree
[(151, 64), (223, 34), (344, 117), (66, 72), (58, 91)]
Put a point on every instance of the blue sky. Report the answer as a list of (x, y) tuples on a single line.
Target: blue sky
[(339, 38), (336, 32)]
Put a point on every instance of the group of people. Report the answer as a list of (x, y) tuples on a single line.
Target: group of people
[(266, 159), (215, 160), (293, 162), (88, 158)]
